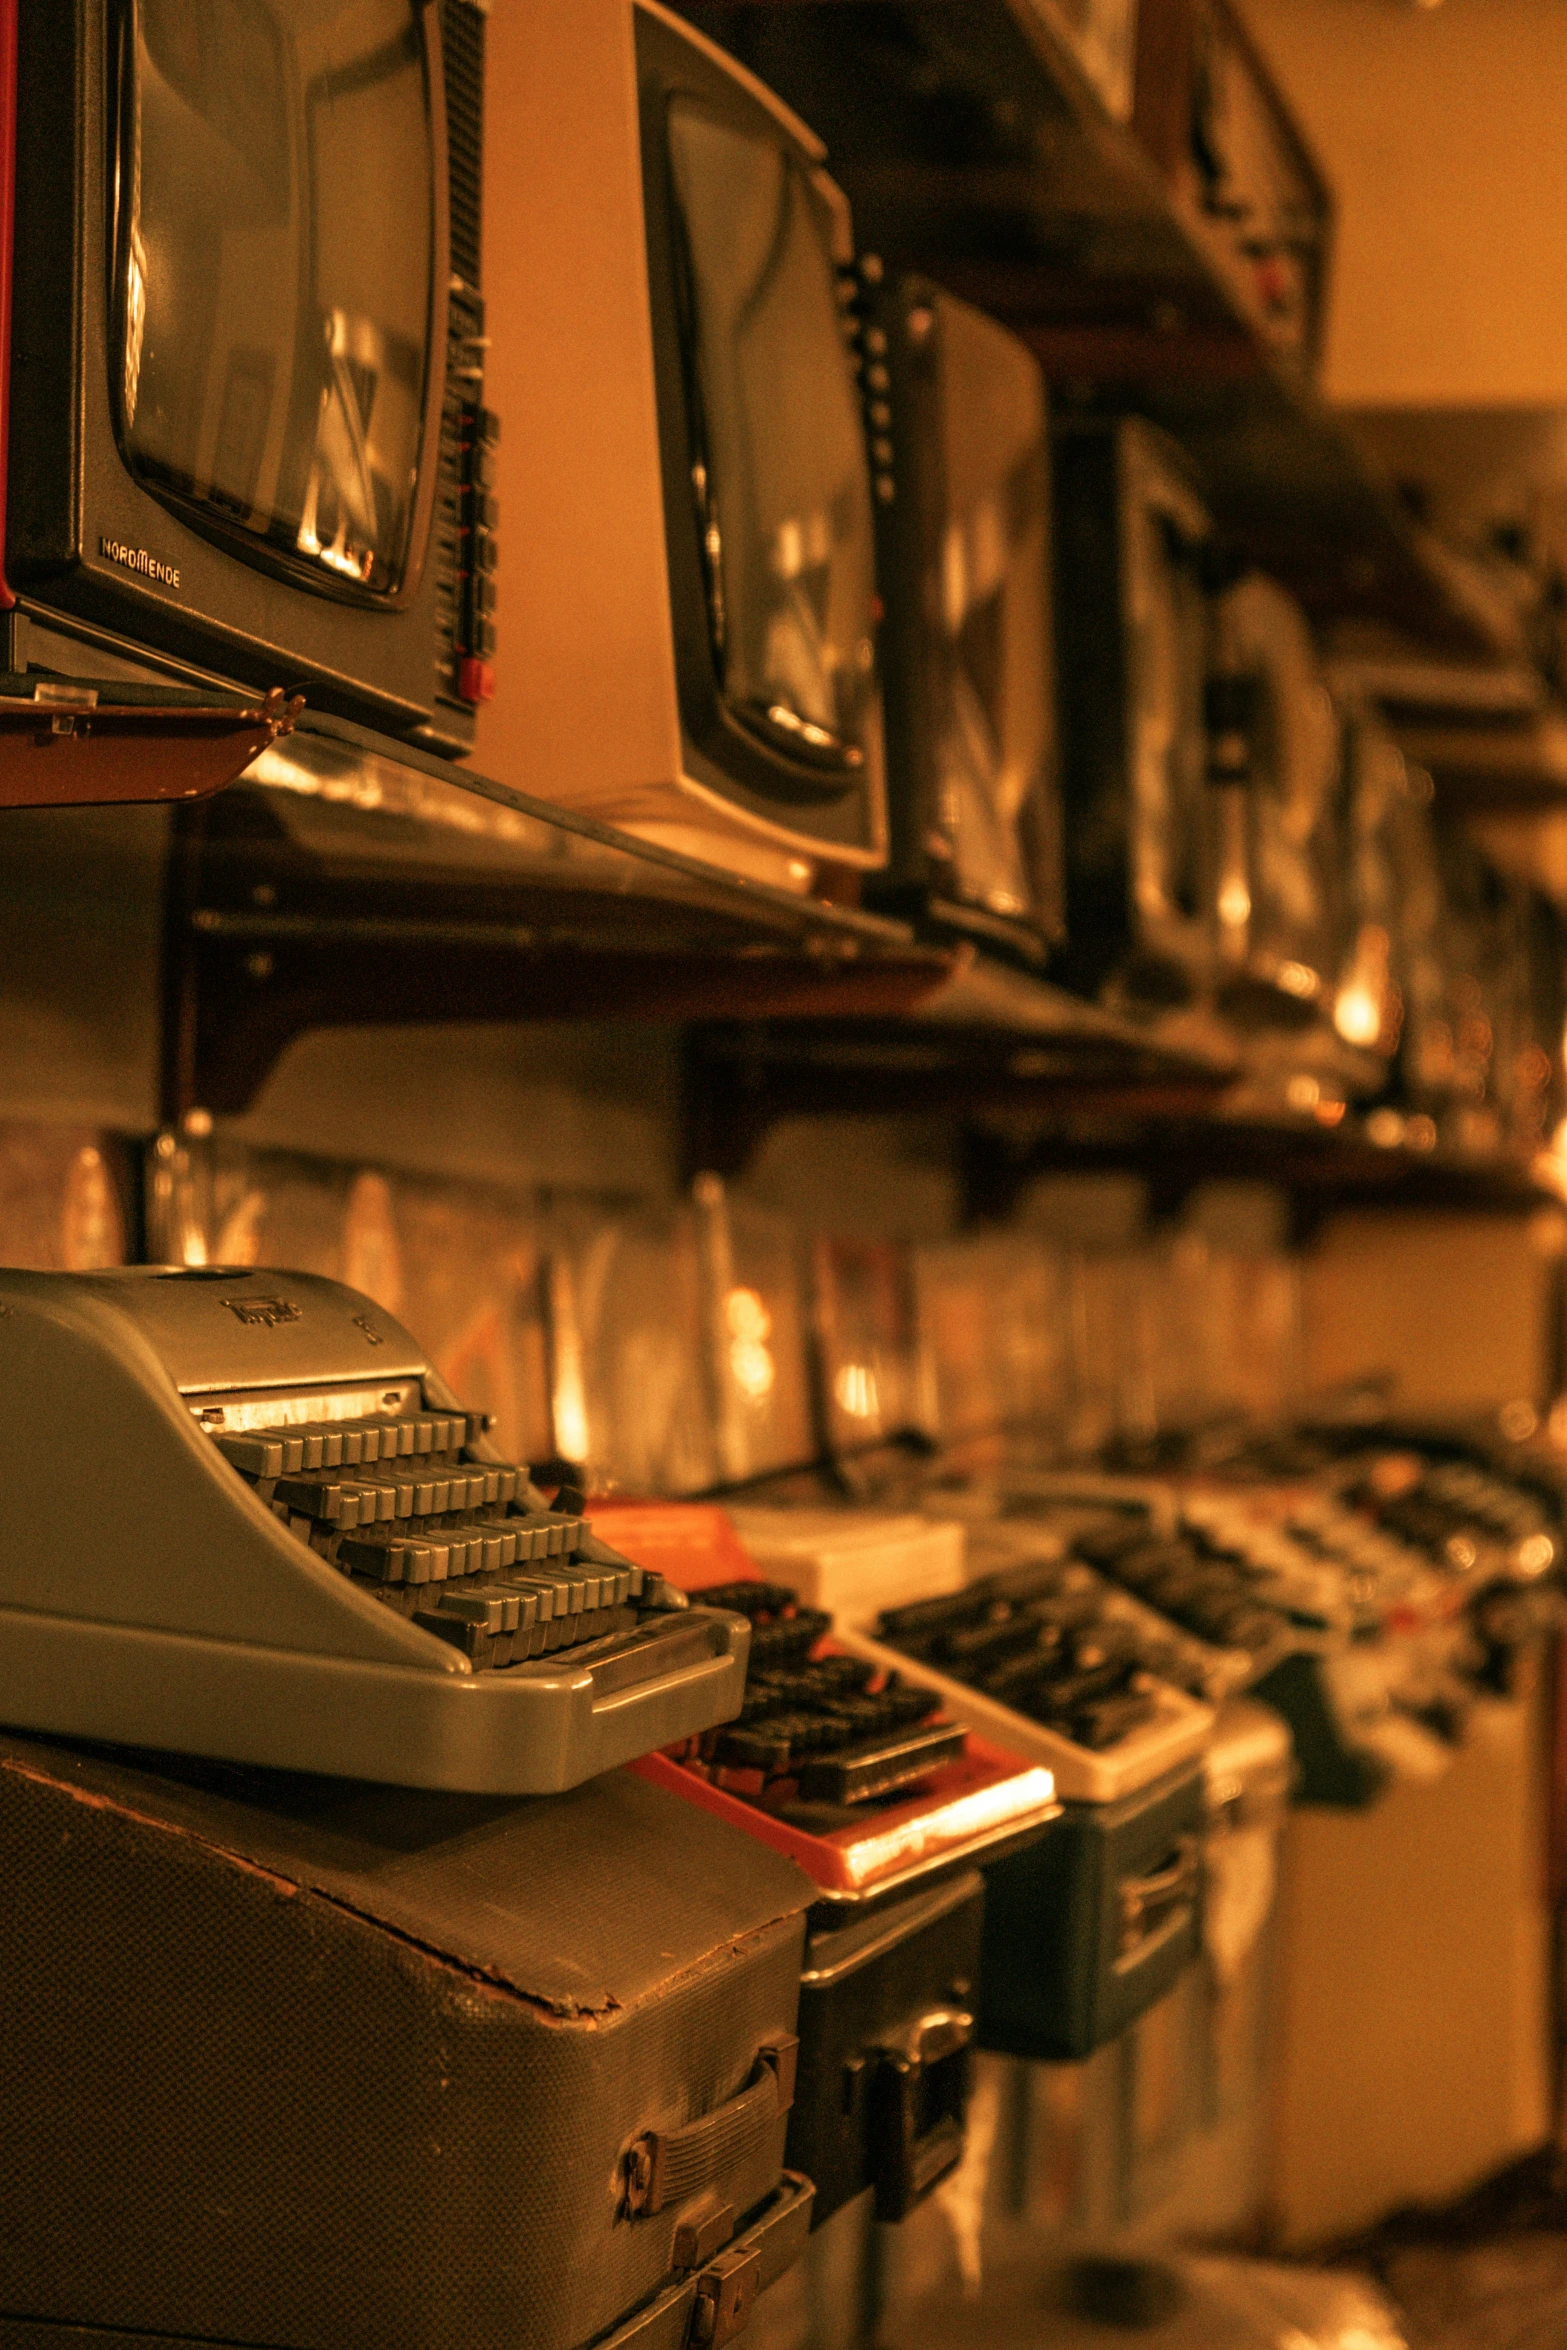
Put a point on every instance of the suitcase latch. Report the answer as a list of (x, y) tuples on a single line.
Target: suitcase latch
[(725, 2297), (702, 2229)]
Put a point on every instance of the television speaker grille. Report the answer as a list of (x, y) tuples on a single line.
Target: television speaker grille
[(462, 45)]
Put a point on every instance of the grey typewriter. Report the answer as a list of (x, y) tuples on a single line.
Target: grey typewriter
[(242, 1517)]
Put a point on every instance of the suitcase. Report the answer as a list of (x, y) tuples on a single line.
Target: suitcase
[(886, 2030), (324, 2066), (1097, 1923)]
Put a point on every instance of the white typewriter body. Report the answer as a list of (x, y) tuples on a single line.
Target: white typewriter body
[(152, 1594)]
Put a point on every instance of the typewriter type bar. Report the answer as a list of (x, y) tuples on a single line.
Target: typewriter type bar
[(857, 1770), (281, 1541), (428, 1978)]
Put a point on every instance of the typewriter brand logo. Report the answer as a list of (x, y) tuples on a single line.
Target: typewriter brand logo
[(262, 1312), (138, 559), (372, 1334)]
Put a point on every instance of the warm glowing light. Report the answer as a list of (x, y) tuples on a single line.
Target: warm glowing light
[(1235, 905), (750, 1326), (1302, 1092), (954, 578), (1357, 1015), (746, 1314), (568, 1385), (1297, 980), (855, 1391), (571, 1424), (1534, 1554), (752, 1368)]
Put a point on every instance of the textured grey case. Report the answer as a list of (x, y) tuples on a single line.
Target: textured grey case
[(328, 2067), (148, 1596)]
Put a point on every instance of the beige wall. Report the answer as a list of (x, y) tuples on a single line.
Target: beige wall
[(1413, 2027), (1413, 2031), (1442, 130), (1458, 1308)]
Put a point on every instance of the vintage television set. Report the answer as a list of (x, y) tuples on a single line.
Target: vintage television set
[(1275, 788), (687, 480), (1101, 36), (245, 416), (1237, 163), (1133, 632), (967, 652)]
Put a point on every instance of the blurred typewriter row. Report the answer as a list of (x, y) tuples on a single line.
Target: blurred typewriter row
[(875, 1674)]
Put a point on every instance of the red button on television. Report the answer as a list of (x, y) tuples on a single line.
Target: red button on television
[(476, 679)]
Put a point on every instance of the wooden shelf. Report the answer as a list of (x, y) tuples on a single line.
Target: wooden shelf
[(989, 1042), (352, 882), (1503, 766), (1321, 1168)]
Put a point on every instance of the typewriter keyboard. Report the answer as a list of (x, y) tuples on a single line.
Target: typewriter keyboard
[(460, 1545), (1037, 1638), (825, 1730), (1183, 1578), (1459, 1516)]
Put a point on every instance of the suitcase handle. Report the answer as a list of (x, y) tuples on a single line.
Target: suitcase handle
[(670, 2166), (922, 2076), (1154, 1905)]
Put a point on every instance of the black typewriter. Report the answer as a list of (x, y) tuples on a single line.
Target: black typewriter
[(276, 1538), (1462, 1516), (1186, 1578), (1038, 1638), (825, 1731)]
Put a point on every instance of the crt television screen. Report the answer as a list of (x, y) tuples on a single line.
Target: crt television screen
[(277, 232), (779, 465), (996, 750), (1169, 627)]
